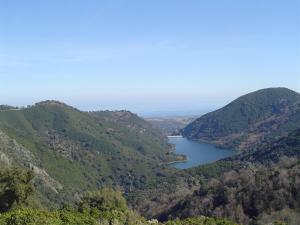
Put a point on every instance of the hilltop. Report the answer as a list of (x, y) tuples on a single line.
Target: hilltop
[(245, 123), (72, 151)]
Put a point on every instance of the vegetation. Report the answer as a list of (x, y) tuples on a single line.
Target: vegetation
[(272, 152), (73, 151), (106, 206), (246, 195), (59, 165), (200, 221), (170, 125), (64, 217), (7, 107), (213, 170), (257, 187), (250, 120), (106, 199), (15, 188)]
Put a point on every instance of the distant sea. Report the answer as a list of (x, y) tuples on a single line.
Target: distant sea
[(175, 113)]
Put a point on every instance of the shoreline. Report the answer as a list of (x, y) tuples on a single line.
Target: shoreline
[(173, 136), (174, 151), (177, 161)]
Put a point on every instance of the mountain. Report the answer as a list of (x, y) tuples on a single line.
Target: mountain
[(253, 194), (254, 187), (245, 123), (7, 107), (52, 155), (71, 151), (273, 152)]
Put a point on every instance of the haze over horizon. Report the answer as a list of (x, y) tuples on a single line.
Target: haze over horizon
[(146, 56)]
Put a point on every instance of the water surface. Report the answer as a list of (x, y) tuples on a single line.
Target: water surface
[(198, 153)]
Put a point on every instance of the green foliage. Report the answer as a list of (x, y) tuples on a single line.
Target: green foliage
[(105, 199), (245, 194), (37, 217), (279, 223), (85, 150), (200, 221), (105, 206), (15, 187), (249, 120), (219, 182), (213, 169), (274, 151)]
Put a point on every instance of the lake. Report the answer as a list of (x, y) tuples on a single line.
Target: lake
[(197, 153)]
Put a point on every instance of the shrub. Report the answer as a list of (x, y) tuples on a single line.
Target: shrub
[(15, 187)]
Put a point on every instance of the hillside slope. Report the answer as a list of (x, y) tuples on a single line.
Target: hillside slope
[(73, 151), (267, 114), (251, 195), (261, 187), (272, 152), (248, 188)]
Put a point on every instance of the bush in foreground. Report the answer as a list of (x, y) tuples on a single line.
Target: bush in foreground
[(62, 217)]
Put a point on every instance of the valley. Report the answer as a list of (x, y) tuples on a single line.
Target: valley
[(158, 112), (170, 126), (70, 157)]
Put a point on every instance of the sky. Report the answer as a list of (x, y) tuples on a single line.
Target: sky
[(147, 56)]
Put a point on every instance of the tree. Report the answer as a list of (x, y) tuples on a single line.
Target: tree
[(15, 187), (106, 199)]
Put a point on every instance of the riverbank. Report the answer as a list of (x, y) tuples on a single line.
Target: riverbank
[(177, 161)]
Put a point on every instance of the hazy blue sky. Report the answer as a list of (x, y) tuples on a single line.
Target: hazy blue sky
[(146, 55)]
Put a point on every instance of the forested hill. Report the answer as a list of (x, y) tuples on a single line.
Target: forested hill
[(72, 151), (253, 194), (62, 152), (245, 123), (273, 152), (256, 187)]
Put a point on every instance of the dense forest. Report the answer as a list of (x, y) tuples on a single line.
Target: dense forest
[(105, 206), (241, 188), (249, 121), (73, 151), (60, 165)]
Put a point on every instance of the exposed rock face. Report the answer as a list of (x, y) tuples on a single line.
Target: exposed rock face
[(12, 153)]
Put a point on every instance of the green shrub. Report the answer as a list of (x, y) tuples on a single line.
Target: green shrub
[(106, 199), (200, 221), (15, 187)]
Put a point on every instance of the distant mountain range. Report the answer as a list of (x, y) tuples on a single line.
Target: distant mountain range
[(264, 115)]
